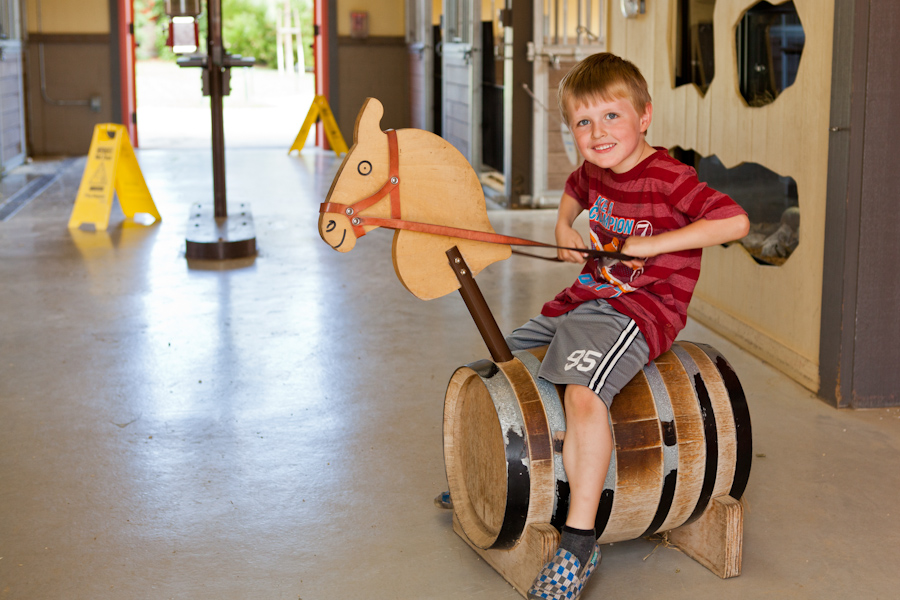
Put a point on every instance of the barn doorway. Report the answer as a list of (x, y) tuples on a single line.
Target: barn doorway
[(267, 103)]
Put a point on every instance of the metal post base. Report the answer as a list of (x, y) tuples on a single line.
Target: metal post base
[(223, 238)]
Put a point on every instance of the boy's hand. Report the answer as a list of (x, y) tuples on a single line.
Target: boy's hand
[(638, 246), (567, 236)]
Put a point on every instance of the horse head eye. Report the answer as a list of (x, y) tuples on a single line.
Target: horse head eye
[(364, 168), (330, 227)]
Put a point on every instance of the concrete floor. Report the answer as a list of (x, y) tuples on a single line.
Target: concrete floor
[(272, 428)]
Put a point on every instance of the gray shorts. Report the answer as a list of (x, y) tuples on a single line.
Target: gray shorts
[(593, 345)]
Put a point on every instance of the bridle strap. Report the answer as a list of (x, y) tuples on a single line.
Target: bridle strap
[(391, 186), (480, 236)]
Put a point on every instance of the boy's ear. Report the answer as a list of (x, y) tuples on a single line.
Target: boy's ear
[(646, 117)]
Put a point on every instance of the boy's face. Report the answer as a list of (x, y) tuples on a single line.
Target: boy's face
[(609, 134)]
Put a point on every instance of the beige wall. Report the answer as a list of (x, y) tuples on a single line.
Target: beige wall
[(772, 311), (386, 17), (68, 16)]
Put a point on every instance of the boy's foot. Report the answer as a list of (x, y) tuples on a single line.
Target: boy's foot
[(443, 500), (563, 578)]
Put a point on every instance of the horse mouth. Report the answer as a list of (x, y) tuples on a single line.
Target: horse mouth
[(343, 237)]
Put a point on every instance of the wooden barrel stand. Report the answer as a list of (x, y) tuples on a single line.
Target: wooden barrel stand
[(682, 451), (681, 460)]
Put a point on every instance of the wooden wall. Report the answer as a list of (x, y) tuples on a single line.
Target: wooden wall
[(774, 312), (79, 63), (860, 323), (377, 66)]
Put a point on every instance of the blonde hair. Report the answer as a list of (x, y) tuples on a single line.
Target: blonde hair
[(604, 77)]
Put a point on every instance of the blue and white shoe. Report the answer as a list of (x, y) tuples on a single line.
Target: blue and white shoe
[(563, 577), (443, 500)]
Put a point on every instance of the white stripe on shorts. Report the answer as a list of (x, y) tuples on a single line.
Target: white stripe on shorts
[(612, 357)]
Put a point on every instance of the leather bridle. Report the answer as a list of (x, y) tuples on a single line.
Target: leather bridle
[(392, 187)]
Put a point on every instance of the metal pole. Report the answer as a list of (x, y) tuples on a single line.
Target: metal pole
[(216, 66), (478, 308)]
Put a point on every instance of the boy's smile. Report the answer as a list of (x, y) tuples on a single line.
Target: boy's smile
[(609, 134)]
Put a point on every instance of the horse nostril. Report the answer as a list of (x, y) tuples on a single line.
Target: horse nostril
[(330, 227)]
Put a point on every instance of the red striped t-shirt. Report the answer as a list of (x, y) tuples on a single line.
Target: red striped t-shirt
[(659, 194)]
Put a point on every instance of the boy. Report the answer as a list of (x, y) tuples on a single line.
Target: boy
[(618, 315)]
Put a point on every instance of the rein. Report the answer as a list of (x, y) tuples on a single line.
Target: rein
[(392, 188)]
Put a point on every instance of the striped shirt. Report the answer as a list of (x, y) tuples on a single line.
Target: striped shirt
[(659, 194)]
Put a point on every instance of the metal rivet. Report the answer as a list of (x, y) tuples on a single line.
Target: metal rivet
[(349, 211), (462, 271), (457, 261), (355, 221), (395, 180)]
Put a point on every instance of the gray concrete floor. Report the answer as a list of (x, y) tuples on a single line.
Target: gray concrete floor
[(272, 428)]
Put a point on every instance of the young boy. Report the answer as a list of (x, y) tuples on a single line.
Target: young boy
[(618, 315)]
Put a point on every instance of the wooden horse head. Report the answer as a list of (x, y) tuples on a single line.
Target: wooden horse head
[(417, 176)]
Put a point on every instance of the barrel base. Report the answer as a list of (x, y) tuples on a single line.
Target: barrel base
[(520, 564), (716, 539)]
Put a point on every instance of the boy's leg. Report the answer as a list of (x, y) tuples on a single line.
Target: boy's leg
[(586, 453), (538, 331), (595, 352)]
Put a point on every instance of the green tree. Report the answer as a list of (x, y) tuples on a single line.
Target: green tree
[(248, 29)]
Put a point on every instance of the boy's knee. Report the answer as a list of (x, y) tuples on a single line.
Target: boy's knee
[(581, 401)]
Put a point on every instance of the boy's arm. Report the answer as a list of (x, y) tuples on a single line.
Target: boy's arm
[(699, 234), (569, 209)]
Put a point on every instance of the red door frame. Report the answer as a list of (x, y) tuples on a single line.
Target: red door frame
[(126, 69), (321, 61)]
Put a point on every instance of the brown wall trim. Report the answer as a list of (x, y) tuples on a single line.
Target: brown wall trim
[(69, 38), (839, 281), (520, 159), (346, 40)]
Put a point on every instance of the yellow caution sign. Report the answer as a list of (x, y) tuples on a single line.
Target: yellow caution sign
[(111, 165), (321, 110)]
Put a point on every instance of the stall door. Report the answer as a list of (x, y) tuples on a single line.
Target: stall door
[(420, 42), (12, 93), (565, 31), (461, 70)]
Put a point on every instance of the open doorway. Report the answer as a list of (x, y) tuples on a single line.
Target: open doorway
[(493, 176), (267, 103), (457, 90)]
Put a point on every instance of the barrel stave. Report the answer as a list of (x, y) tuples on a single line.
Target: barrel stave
[(689, 436), (637, 440)]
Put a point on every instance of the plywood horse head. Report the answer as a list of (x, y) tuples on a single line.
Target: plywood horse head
[(411, 175)]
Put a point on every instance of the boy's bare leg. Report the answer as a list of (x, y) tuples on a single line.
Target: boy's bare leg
[(586, 453)]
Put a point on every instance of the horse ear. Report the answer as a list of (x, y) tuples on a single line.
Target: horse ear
[(368, 121)]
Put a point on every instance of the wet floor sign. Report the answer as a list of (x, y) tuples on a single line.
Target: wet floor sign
[(111, 166), (321, 110)]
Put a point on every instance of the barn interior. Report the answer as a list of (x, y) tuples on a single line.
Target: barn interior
[(272, 427)]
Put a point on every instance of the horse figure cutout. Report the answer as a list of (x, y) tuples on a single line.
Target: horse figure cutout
[(415, 176), (681, 427)]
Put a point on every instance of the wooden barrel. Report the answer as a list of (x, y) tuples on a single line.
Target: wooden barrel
[(681, 431)]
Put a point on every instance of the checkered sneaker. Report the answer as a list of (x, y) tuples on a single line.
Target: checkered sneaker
[(563, 578)]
